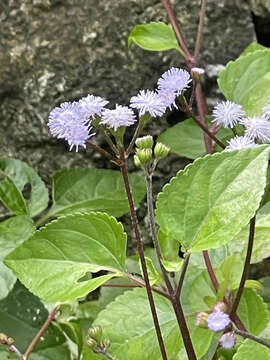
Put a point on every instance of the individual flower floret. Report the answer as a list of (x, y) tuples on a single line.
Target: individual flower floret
[(266, 111), (257, 127), (218, 320), (174, 79), (167, 97), (228, 340), (148, 102), (240, 142), (227, 114), (66, 122), (120, 116), (92, 105)]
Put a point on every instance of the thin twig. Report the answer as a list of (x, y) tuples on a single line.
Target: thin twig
[(247, 335), (183, 273), (200, 28), (246, 266), (14, 350), (44, 327), (101, 151), (176, 29), (134, 220)]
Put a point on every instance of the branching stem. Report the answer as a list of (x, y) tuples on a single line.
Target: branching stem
[(247, 335)]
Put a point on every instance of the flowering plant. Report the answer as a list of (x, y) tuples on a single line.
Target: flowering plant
[(192, 297)]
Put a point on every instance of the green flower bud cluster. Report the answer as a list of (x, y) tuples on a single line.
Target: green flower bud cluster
[(144, 152), (94, 340)]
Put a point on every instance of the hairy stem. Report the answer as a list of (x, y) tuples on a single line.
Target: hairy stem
[(181, 280), (173, 298), (246, 266), (134, 219), (200, 28), (44, 327), (247, 335)]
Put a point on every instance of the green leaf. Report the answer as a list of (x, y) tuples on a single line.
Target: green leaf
[(250, 350), (17, 176), (22, 315), (154, 277), (184, 139), (56, 352), (93, 190), (253, 312), (246, 81), (66, 250), (12, 233), (139, 342), (156, 36), (203, 212), (254, 46), (74, 333)]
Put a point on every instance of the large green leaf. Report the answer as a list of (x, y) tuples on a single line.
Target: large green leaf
[(139, 342), (21, 316), (208, 202), (261, 246), (54, 260), (93, 190), (246, 81), (251, 350), (156, 36), (253, 312), (253, 46), (12, 233), (16, 176)]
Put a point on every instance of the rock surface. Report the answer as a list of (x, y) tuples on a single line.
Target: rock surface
[(60, 50)]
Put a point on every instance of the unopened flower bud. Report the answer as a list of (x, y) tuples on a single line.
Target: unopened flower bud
[(92, 343), (95, 332), (137, 161), (144, 155), (145, 142), (3, 338), (227, 340), (106, 343), (161, 150), (220, 306), (197, 73), (201, 320)]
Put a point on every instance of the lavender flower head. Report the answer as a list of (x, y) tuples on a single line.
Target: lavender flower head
[(227, 340), (67, 122), (148, 102), (167, 97), (218, 320), (120, 116), (176, 80), (240, 142), (227, 114), (257, 127), (266, 111), (92, 105)]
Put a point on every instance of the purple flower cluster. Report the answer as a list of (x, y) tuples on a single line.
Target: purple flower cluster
[(170, 85), (218, 320), (72, 120), (257, 128)]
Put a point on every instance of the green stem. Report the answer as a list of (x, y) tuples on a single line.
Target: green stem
[(134, 220)]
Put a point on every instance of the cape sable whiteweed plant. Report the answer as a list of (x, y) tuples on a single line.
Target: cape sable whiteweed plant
[(188, 297)]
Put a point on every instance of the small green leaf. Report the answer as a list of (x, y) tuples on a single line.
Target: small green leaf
[(246, 81), (93, 190), (156, 36), (17, 175), (74, 333), (21, 316), (253, 312), (12, 233), (250, 350), (154, 277), (202, 212), (170, 252), (67, 249), (254, 46), (253, 284)]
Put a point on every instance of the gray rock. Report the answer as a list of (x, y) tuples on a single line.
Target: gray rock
[(60, 50)]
